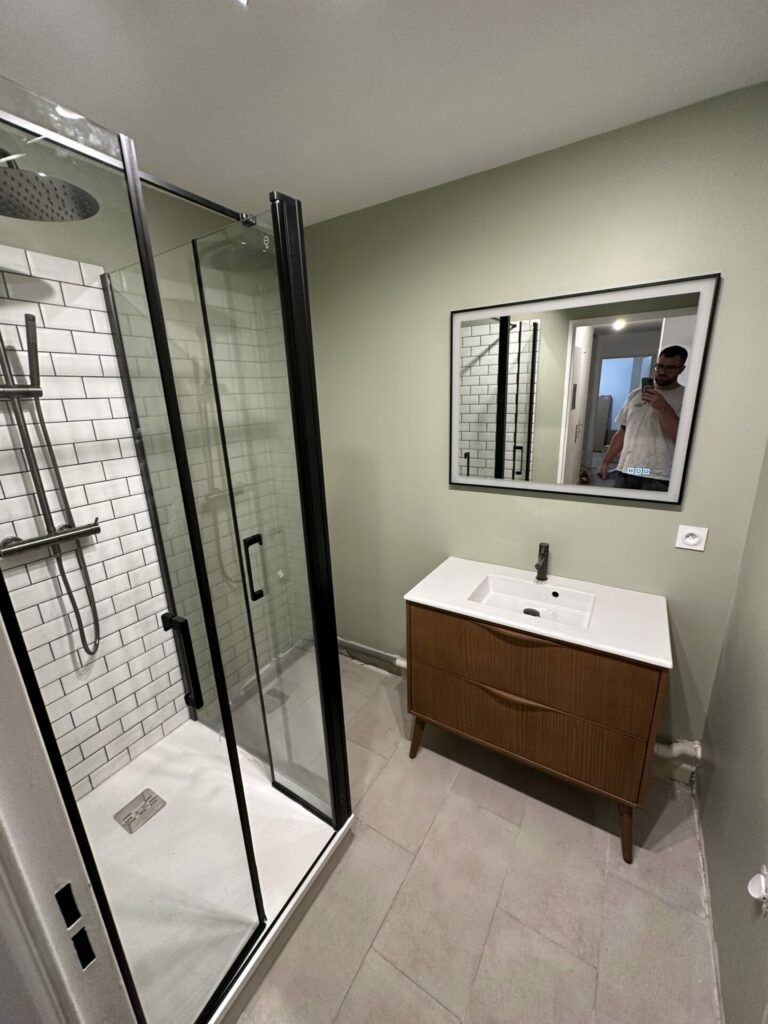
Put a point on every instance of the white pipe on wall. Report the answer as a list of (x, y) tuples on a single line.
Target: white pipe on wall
[(680, 748)]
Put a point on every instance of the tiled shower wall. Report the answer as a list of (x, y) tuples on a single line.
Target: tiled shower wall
[(108, 708), (246, 327), (247, 331), (478, 391)]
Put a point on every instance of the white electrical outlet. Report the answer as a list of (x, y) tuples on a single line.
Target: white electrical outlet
[(692, 538)]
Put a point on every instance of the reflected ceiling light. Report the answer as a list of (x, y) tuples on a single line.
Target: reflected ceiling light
[(243, 3), (70, 114), (620, 324)]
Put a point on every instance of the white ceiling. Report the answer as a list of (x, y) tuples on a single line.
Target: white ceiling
[(347, 103)]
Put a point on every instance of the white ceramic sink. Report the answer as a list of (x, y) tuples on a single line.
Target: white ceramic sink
[(538, 600), (622, 622)]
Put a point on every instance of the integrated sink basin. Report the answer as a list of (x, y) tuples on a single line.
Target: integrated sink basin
[(539, 600), (626, 623)]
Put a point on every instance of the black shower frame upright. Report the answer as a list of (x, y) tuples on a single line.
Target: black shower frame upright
[(292, 274), (297, 329)]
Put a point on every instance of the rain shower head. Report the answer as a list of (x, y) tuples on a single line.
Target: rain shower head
[(28, 195), (237, 257)]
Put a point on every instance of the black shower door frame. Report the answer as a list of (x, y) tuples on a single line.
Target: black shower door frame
[(288, 229), (297, 331)]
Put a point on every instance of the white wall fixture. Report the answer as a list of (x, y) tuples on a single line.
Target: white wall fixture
[(692, 538), (757, 887)]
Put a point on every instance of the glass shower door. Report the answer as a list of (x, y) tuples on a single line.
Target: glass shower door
[(108, 659), (240, 290)]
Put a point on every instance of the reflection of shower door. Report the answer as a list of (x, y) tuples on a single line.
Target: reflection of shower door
[(515, 439)]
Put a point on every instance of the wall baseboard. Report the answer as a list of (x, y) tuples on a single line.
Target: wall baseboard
[(369, 655)]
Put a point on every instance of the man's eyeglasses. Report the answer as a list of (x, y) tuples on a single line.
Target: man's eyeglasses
[(667, 367)]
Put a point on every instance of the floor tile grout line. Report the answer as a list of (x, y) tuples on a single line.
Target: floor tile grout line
[(487, 810), (496, 908), (352, 982), (405, 877), (384, 918), (389, 839), (548, 938), (418, 986), (650, 892)]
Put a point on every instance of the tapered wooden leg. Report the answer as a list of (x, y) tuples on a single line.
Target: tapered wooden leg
[(418, 732), (626, 815)]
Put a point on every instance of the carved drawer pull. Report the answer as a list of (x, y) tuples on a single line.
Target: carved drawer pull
[(511, 698), (516, 638)]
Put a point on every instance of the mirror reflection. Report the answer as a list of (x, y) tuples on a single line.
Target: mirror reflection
[(591, 393)]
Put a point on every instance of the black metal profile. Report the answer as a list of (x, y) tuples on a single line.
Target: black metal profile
[(65, 789), (292, 275), (532, 306), (531, 398), (191, 197), (165, 364), (515, 446), (502, 385)]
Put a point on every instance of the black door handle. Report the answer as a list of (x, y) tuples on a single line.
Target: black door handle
[(193, 694), (247, 545)]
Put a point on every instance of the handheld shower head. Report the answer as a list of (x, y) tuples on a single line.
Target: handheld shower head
[(28, 195)]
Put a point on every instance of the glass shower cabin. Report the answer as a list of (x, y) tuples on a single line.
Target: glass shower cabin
[(163, 548)]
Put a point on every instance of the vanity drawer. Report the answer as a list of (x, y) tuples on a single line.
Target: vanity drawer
[(600, 688), (609, 761)]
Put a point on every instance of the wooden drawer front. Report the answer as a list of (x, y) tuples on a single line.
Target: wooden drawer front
[(616, 693), (609, 761)]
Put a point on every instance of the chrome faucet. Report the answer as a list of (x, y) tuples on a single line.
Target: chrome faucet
[(542, 563)]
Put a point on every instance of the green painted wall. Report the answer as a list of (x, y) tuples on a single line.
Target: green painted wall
[(734, 782), (678, 195)]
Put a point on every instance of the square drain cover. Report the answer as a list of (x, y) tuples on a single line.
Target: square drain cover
[(139, 810), (274, 699)]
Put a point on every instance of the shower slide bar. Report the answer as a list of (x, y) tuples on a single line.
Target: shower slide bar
[(15, 394)]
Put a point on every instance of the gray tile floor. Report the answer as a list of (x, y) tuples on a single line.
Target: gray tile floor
[(480, 891)]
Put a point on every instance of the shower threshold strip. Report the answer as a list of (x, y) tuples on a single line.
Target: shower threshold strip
[(277, 933)]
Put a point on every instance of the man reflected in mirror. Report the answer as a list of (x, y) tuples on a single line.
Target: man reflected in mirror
[(648, 421)]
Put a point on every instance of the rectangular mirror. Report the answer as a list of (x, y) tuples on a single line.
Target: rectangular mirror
[(581, 394)]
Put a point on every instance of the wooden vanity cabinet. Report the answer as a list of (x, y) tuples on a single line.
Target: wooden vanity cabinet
[(585, 716)]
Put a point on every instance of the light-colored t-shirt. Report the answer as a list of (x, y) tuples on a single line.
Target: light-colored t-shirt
[(647, 451)]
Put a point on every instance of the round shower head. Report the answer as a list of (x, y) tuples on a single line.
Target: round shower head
[(237, 257), (31, 196)]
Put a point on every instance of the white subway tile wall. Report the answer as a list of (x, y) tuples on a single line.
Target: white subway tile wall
[(249, 352), (478, 389), (108, 708)]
